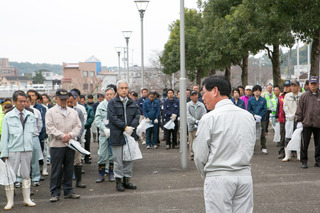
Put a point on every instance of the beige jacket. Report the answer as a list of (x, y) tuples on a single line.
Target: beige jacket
[(58, 125)]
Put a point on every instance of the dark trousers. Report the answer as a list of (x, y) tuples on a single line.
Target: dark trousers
[(87, 137), (282, 137), (62, 159), (173, 133), (267, 120), (152, 135), (263, 139), (306, 136)]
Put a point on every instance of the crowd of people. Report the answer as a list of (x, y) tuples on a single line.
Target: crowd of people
[(35, 132)]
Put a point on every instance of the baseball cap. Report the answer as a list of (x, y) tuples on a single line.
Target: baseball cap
[(75, 95), (193, 92), (314, 79), (287, 83), (296, 82), (248, 87), (62, 94)]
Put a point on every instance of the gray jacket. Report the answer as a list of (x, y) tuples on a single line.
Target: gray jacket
[(81, 117), (194, 113)]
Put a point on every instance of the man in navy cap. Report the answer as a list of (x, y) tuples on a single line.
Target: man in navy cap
[(308, 118)]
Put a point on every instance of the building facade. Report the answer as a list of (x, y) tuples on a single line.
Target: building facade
[(6, 69)]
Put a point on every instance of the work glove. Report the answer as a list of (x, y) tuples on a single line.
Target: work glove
[(299, 125), (258, 118), (129, 130), (173, 117), (156, 121), (107, 132), (148, 120)]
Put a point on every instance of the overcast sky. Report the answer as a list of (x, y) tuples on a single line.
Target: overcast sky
[(43, 31)]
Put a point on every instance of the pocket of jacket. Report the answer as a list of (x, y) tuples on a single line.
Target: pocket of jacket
[(14, 129)]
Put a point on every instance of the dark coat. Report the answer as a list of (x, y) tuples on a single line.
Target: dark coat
[(116, 116), (151, 110), (170, 107)]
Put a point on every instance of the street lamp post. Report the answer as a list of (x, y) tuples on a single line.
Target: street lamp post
[(142, 6), (118, 49), (127, 35)]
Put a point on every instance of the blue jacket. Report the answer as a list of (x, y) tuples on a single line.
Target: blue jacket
[(140, 103), (258, 107), (43, 111), (120, 116), (94, 107), (151, 110), (240, 103), (170, 107), (15, 137)]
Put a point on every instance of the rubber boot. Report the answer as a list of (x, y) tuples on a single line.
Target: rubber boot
[(119, 185), (102, 171), (111, 174), (127, 184), (26, 193), (10, 197), (288, 155), (77, 172)]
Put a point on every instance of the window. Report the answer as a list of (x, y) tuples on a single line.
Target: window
[(85, 73), (85, 86), (91, 73)]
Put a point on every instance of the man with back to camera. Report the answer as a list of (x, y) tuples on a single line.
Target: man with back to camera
[(223, 148)]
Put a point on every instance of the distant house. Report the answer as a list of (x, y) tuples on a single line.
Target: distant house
[(6, 69), (16, 81)]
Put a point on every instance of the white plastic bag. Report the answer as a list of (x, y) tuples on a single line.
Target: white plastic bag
[(289, 128), (295, 142), (76, 146), (258, 131), (143, 126), (169, 125), (277, 136), (131, 150), (7, 175)]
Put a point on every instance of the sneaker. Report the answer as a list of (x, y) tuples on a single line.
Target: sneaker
[(36, 183), (148, 147), (143, 143), (264, 151), (72, 196), (17, 184), (155, 146), (54, 199), (45, 173), (168, 147)]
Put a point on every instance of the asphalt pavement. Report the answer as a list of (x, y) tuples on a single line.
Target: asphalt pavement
[(164, 187)]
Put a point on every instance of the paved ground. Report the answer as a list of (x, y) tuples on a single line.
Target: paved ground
[(164, 187)]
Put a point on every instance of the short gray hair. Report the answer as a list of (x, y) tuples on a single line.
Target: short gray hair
[(121, 82), (109, 88)]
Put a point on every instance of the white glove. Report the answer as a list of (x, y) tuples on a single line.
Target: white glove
[(148, 120), (258, 118), (299, 125), (129, 130), (156, 121), (178, 118), (173, 117), (107, 132)]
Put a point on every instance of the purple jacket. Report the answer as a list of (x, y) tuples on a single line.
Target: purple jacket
[(245, 99)]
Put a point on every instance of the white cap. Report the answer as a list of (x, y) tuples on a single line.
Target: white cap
[(248, 87)]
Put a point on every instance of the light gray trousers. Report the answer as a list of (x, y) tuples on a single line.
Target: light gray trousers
[(121, 168), (228, 194), (23, 159)]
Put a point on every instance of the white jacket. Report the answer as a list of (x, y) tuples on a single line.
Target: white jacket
[(290, 105), (224, 143)]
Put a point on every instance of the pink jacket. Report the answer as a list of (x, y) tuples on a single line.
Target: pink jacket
[(245, 99)]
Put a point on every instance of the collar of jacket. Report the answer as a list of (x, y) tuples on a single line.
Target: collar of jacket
[(60, 111), (12, 113), (311, 93), (223, 103), (117, 98)]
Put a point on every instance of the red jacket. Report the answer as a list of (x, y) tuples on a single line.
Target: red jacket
[(280, 112)]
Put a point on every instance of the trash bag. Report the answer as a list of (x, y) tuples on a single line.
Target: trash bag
[(143, 126), (169, 125), (131, 150), (7, 175), (258, 131), (289, 128), (295, 142), (76, 146), (276, 137)]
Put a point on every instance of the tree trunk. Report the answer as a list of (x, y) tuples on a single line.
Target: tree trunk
[(228, 72), (315, 50), (212, 72), (276, 65), (198, 77), (244, 74)]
